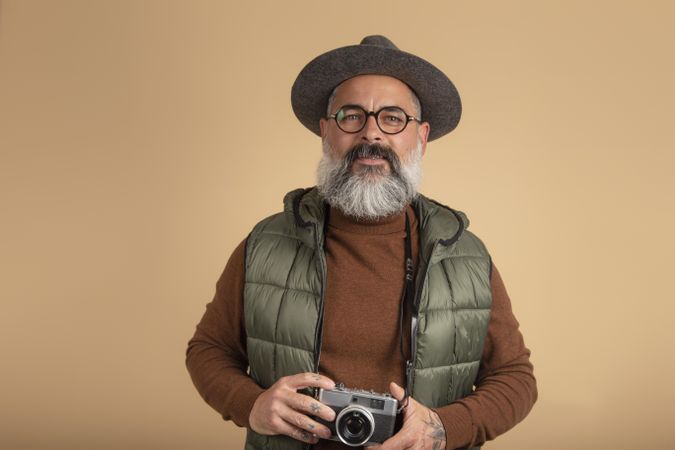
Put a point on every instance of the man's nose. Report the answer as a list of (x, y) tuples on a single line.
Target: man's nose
[(371, 131)]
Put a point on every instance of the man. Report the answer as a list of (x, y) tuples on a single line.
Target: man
[(364, 281)]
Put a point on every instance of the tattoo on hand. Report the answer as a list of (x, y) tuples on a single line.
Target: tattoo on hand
[(304, 435), (311, 426), (315, 408), (316, 378), (437, 432)]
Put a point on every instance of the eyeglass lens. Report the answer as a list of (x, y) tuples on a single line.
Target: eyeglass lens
[(352, 118)]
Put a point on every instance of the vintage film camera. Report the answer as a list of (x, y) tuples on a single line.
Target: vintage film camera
[(362, 417)]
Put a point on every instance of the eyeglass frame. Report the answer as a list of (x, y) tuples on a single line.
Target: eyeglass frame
[(409, 118)]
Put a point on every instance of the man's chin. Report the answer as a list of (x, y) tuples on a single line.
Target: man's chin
[(370, 170)]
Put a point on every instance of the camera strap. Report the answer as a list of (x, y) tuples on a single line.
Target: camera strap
[(407, 298)]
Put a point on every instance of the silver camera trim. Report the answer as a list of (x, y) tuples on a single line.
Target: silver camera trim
[(362, 410)]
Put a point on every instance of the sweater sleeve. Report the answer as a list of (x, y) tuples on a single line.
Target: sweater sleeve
[(505, 388), (216, 355)]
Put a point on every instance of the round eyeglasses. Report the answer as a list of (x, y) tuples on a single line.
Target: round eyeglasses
[(353, 118)]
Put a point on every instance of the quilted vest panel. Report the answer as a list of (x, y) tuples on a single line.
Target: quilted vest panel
[(285, 269)]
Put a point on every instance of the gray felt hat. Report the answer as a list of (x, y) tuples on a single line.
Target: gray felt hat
[(441, 106)]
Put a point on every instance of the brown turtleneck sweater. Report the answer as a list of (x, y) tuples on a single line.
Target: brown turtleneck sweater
[(360, 346)]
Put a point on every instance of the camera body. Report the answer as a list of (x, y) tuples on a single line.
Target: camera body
[(362, 417)]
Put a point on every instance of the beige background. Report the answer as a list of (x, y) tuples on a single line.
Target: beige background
[(141, 140)]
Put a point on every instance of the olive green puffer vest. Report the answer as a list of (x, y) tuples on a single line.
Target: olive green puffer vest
[(284, 291)]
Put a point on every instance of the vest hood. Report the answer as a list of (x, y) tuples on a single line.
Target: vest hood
[(309, 208)]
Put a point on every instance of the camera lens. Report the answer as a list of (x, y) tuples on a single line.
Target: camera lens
[(354, 425)]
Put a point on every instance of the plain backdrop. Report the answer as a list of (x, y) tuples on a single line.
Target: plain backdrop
[(141, 140)]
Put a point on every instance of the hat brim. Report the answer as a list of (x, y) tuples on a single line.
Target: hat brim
[(441, 106)]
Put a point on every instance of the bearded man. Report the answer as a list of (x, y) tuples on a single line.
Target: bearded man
[(364, 281)]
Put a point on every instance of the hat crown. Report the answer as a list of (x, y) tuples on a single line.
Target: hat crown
[(378, 40)]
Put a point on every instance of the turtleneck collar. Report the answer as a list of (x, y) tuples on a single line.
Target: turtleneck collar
[(386, 225)]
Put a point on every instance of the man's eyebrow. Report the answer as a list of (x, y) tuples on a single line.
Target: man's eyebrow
[(377, 109), (354, 104)]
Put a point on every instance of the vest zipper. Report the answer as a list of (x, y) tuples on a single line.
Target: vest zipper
[(318, 333), (410, 368)]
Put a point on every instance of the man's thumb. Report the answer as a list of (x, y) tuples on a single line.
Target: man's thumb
[(397, 391)]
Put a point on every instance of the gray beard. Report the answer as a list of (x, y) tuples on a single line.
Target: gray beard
[(371, 193)]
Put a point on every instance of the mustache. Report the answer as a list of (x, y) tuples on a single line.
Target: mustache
[(366, 150)]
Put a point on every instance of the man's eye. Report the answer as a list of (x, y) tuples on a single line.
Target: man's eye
[(393, 119), (351, 117)]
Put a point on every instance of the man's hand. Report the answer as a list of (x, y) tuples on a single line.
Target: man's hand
[(421, 430), (280, 409)]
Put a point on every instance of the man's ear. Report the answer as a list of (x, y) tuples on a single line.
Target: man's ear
[(423, 134), (323, 123)]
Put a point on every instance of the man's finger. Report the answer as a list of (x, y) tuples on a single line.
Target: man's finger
[(310, 405), (303, 422), (309, 379), (296, 433)]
